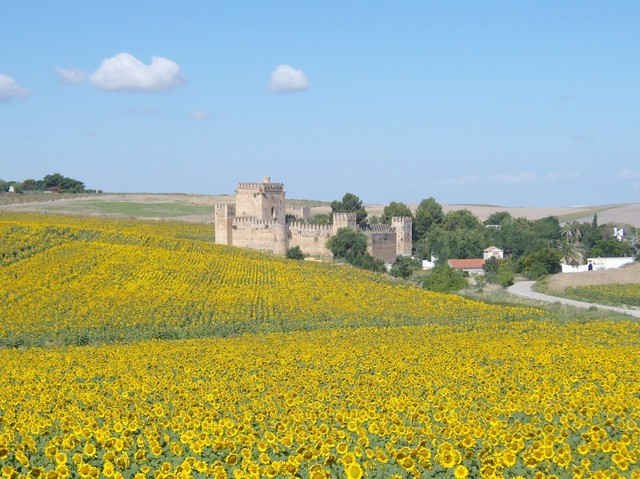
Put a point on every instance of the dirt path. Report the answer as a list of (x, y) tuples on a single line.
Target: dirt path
[(524, 289)]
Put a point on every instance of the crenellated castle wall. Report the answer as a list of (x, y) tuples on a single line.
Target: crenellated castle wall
[(312, 239), (257, 221), (263, 235)]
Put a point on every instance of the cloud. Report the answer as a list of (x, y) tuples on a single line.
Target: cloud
[(628, 174), (558, 176), (9, 89), (70, 75), (199, 115), (514, 178), (285, 78), (124, 72)]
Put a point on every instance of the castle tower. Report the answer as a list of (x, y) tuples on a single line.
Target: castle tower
[(224, 214), (404, 232), (344, 220), (263, 201)]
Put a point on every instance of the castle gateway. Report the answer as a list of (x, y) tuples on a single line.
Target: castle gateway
[(258, 221)]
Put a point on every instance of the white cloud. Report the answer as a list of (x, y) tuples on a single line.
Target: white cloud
[(628, 174), (70, 75), (124, 72), (199, 115), (10, 89), (514, 178), (285, 78), (560, 176)]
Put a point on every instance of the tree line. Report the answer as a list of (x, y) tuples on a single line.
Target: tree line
[(51, 182), (532, 248)]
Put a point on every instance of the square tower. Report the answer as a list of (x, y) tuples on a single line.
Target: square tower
[(264, 201)]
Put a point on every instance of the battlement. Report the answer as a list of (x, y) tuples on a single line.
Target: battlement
[(377, 228), (253, 221), (259, 187), (303, 227), (406, 220), (228, 208)]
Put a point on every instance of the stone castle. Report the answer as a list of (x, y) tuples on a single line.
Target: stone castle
[(258, 220)]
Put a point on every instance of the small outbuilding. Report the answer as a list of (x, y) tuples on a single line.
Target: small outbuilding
[(473, 266), (493, 252)]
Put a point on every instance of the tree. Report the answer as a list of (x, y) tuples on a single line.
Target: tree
[(428, 213), (541, 262), (351, 246), (347, 243), (350, 204), (295, 253), (404, 267), (611, 248), (444, 278), (29, 185), (461, 219), (498, 218), (394, 209)]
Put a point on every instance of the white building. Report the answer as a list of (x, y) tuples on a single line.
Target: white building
[(598, 264), (493, 252)]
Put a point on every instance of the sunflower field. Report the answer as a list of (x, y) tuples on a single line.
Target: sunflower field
[(614, 294), (232, 370)]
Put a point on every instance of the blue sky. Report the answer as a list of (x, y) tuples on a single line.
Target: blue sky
[(515, 103)]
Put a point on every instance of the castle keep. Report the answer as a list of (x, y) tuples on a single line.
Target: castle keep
[(258, 221)]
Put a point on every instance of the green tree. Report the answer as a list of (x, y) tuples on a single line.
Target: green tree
[(444, 278), (295, 253), (428, 213), (350, 203), (351, 246), (611, 248), (30, 185), (498, 218), (541, 262), (404, 267), (394, 209)]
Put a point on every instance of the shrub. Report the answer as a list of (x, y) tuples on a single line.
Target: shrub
[(404, 267), (295, 253), (444, 278), (541, 262)]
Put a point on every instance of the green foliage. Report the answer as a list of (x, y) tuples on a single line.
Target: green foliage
[(456, 242), (428, 213), (404, 267), (295, 253), (443, 278), (498, 218), (394, 209), (540, 263), (611, 247), (350, 204), (351, 246), (499, 271), (56, 180), (505, 275)]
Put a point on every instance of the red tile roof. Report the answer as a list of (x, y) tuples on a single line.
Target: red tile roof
[(471, 263)]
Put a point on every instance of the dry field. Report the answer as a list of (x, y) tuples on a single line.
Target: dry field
[(195, 208), (559, 282)]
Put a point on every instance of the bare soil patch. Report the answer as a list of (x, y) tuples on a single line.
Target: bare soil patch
[(559, 282)]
